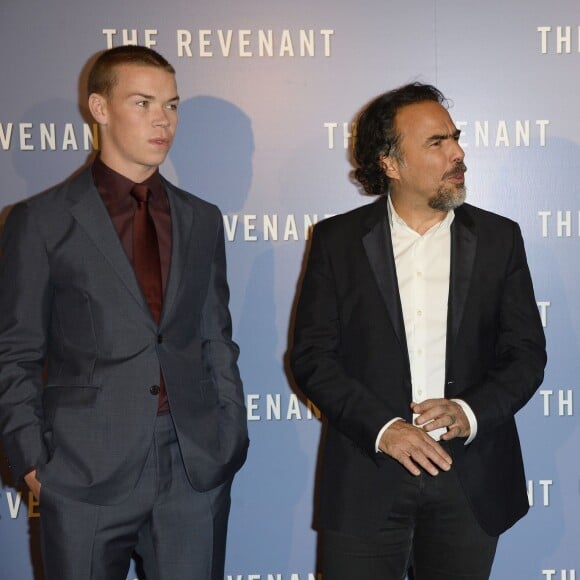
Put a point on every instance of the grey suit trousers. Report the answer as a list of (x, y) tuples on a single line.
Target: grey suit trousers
[(178, 532)]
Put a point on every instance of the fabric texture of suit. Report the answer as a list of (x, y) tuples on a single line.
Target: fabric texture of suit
[(350, 358), (80, 350)]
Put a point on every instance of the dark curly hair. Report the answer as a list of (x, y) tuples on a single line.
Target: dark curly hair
[(376, 136)]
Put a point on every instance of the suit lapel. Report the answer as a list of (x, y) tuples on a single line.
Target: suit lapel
[(182, 226), (91, 214), (463, 248), (379, 250)]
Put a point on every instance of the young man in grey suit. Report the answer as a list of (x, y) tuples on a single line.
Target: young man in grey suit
[(121, 403), (418, 336)]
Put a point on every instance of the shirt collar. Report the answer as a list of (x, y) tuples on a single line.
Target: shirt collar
[(396, 221), (116, 188)]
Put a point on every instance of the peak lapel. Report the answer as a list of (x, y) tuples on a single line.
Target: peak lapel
[(379, 250), (463, 248)]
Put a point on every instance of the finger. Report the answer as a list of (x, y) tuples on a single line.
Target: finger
[(451, 434), (431, 460), (428, 450), (412, 447), (440, 457), (435, 413), (413, 459), (448, 420), (409, 465), (428, 405)]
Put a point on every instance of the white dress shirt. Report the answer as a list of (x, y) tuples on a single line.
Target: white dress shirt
[(423, 266)]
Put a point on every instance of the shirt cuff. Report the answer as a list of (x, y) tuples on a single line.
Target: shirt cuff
[(378, 439), (470, 417)]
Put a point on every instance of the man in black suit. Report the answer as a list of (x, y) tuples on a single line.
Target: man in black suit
[(121, 404), (418, 336)]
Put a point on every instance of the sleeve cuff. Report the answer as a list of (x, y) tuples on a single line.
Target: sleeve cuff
[(470, 417), (385, 427)]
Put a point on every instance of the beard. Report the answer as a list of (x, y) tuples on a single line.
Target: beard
[(450, 196)]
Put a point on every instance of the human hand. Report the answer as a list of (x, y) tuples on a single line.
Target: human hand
[(436, 413), (412, 447), (33, 484)]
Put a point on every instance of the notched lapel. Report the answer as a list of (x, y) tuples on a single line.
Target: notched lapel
[(379, 249), (182, 226), (463, 248), (91, 214)]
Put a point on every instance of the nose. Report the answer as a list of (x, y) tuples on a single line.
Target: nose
[(162, 118), (457, 153)]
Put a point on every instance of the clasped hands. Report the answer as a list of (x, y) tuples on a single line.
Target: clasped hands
[(411, 445)]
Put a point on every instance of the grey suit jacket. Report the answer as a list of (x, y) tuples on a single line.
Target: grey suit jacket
[(80, 351)]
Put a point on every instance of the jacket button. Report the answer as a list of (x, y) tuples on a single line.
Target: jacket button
[(159, 338), (154, 390)]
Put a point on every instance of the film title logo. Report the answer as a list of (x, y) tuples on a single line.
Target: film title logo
[(559, 224), (16, 504), (543, 306), (242, 43), (559, 574), (271, 407), (480, 133), (28, 136), (559, 39), (559, 402), (539, 492), (270, 227)]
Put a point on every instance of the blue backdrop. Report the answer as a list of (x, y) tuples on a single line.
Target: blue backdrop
[(269, 91)]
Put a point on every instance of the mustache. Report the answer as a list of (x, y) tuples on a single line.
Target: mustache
[(459, 169)]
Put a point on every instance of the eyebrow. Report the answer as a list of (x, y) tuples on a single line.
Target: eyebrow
[(152, 97), (433, 138)]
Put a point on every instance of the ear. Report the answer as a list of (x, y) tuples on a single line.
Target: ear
[(98, 108), (390, 166)]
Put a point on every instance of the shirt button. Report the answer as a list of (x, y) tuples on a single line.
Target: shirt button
[(420, 351), (419, 313), (154, 390)]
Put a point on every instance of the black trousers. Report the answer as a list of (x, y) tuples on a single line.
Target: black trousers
[(178, 531), (431, 529)]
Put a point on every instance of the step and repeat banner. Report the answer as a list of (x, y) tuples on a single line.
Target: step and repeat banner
[(269, 92)]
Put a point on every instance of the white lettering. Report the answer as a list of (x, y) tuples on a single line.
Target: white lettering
[(565, 402), (545, 484), (25, 135), (6, 135), (203, 43), (225, 41), (14, 504), (244, 42), (543, 306), (184, 43)]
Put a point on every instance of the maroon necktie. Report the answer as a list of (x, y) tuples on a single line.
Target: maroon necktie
[(147, 265), (146, 261)]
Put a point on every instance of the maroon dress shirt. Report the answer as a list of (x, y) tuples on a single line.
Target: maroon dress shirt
[(115, 191)]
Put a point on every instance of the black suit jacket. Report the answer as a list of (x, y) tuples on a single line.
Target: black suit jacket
[(350, 357), (80, 350)]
